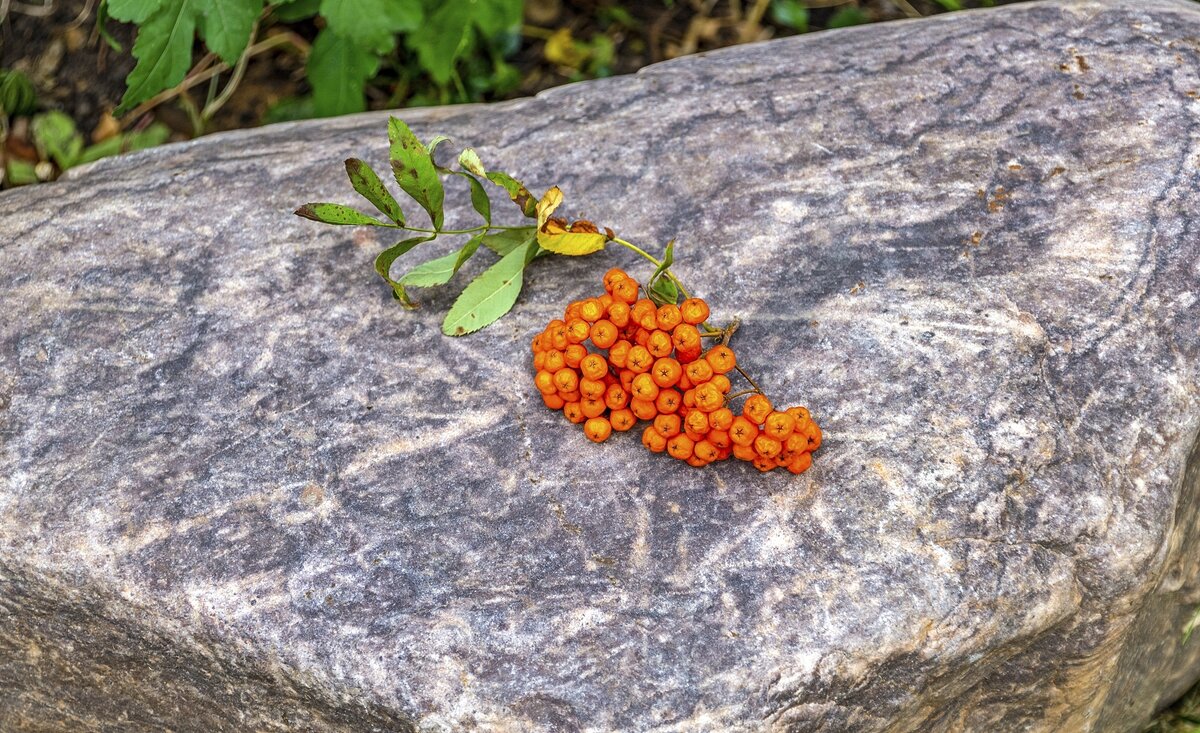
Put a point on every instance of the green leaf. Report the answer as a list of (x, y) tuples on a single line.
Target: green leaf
[(434, 143), (443, 38), (847, 16), (372, 24), (667, 260), (950, 4), (20, 172), (560, 242), (133, 11), (506, 240), (516, 191), (17, 95), (414, 170), (338, 70), (493, 17), (440, 270), (383, 266), (366, 182), (490, 295), (56, 138), (226, 26), (164, 52), (470, 162), (664, 291), (790, 13), (479, 198), (336, 214)]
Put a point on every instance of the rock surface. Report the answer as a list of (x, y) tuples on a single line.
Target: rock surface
[(240, 489)]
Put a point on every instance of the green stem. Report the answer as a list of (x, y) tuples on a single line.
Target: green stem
[(657, 263), (480, 228)]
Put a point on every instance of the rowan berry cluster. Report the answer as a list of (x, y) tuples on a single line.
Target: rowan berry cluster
[(648, 364)]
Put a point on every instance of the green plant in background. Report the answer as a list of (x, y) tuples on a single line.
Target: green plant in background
[(17, 97), (493, 293), (457, 47)]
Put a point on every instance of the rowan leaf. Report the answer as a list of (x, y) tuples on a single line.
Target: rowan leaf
[(561, 241), (479, 198), (516, 191), (470, 162), (490, 295), (439, 271), (163, 50), (366, 181), (506, 240), (414, 170), (336, 214), (226, 26), (383, 266)]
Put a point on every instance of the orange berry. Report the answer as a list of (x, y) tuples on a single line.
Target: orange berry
[(719, 438), (795, 443), (720, 419), (800, 413), (593, 366), (667, 426), (779, 425), (539, 360), (684, 381), (572, 310), (605, 301), (814, 435), (685, 336), (689, 398), (666, 372), (639, 309), (643, 409), (574, 354), (744, 452), (618, 353), (618, 314), (757, 408), (544, 381), (696, 461), (616, 397), (622, 419), (558, 334), (626, 291), (668, 317), (592, 407), (612, 277), (764, 464), (705, 451), (592, 389), (659, 344), (536, 344), (591, 310), (641, 336), (668, 401), (693, 311), (680, 447), (566, 379), (626, 379), (644, 388), (574, 412), (554, 360), (699, 371), (721, 382), (697, 422), (570, 396), (688, 354), (639, 360), (742, 431), (767, 446), (553, 401), (597, 429), (577, 331), (709, 398), (604, 334), (800, 463), (654, 442), (721, 359)]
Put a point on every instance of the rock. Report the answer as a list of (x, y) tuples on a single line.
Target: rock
[(240, 489)]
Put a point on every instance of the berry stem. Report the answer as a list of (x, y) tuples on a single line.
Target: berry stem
[(657, 263), (748, 379)]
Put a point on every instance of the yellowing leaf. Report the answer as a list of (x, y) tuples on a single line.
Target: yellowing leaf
[(554, 238)]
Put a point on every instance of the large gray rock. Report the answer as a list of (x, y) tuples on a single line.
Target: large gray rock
[(240, 489)]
